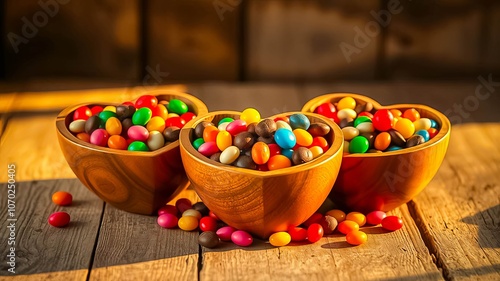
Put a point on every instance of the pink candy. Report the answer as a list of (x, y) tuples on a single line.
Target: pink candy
[(241, 238)]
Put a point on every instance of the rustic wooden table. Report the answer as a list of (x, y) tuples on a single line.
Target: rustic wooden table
[(451, 230)]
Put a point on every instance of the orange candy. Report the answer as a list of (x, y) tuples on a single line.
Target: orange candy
[(278, 162), (347, 226), (356, 237), (83, 136), (382, 141), (62, 198), (261, 153), (411, 114), (396, 112), (117, 142), (210, 134)]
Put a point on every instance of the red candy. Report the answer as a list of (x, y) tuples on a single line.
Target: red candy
[(298, 234), (383, 120), (168, 209), (375, 217), (83, 112), (148, 101), (392, 223), (183, 204), (314, 232), (208, 224), (175, 122), (167, 220), (327, 109), (59, 219), (314, 218)]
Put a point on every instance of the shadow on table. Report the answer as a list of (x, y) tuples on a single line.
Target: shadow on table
[(488, 222), (474, 272)]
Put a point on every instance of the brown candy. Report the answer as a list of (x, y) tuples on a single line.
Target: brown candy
[(370, 137), (171, 133), (126, 124), (245, 161), (125, 111), (415, 140), (329, 224), (318, 129), (216, 156), (346, 122), (201, 207), (266, 140), (198, 130), (301, 155), (266, 128), (244, 140), (397, 138), (208, 239), (93, 124)]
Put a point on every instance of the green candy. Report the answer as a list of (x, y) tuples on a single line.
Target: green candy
[(359, 144), (361, 119), (197, 143), (105, 115), (142, 116), (137, 146), (177, 106), (224, 120)]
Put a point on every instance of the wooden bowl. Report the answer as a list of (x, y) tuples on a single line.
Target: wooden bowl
[(137, 182), (384, 181), (261, 202)]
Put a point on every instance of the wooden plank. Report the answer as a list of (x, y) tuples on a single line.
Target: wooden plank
[(80, 274), (41, 248), (132, 247), (400, 255), (459, 211), (31, 143), (6, 101)]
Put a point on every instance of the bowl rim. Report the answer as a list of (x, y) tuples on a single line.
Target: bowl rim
[(63, 130), (333, 151), (444, 122)]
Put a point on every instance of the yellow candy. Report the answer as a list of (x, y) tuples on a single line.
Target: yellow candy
[(405, 127), (347, 102), (110, 108), (303, 137), (223, 140), (356, 237), (250, 115), (357, 217), (113, 126), (170, 115), (188, 223), (316, 151), (280, 239), (156, 123)]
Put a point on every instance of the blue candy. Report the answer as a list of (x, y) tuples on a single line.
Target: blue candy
[(424, 134), (299, 121), (285, 138)]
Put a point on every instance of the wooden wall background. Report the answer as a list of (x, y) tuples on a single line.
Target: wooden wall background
[(252, 40)]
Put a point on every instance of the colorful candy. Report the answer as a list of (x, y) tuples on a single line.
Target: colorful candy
[(147, 121), (368, 130), (356, 237), (280, 239), (241, 238), (264, 145), (392, 223)]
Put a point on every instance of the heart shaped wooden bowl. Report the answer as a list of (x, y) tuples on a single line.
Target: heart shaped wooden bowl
[(261, 202), (384, 181), (137, 182)]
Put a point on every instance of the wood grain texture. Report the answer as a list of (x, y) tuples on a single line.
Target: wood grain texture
[(400, 255), (80, 274), (459, 211), (41, 247), (31, 143), (126, 239)]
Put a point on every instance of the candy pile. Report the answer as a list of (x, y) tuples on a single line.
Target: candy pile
[(266, 144), (147, 125), (368, 130), (60, 219), (193, 217)]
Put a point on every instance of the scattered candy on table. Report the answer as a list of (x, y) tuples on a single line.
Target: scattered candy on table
[(366, 129), (59, 219), (147, 125), (261, 144), (62, 198), (190, 217)]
